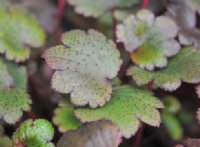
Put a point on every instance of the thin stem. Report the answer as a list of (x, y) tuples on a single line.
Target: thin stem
[(61, 7), (60, 11), (139, 135), (145, 4), (32, 115)]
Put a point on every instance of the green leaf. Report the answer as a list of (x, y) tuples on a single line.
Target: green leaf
[(95, 8), (127, 108), (96, 134), (5, 142), (19, 75), (12, 103), (149, 39), (18, 31), (183, 67), (172, 125), (34, 133), (65, 119), (85, 64), (172, 105), (12, 75)]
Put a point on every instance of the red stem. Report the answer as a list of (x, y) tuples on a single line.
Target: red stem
[(60, 11), (145, 4), (139, 135), (32, 115), (61, 7)]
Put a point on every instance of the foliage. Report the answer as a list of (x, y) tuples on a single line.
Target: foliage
[(170, 120), (149, 39), (77, 62), (127, 108), (98, 134), (13, 102), (158, 47), (15, 39), (98, 7), (64, 117), (183, 67), (34, 133)]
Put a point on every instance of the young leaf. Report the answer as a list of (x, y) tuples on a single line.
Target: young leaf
[(12, 103), (85, 63), (65, 119), (151, 40), (172, 105), (127, 108), (172, 125), (95, 8), (183, 67), (96, 134), (38, 133), (18, 30)]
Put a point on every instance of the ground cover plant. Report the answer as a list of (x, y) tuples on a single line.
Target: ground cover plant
[(99, 73)]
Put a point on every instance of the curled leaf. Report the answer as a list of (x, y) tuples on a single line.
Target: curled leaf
[(65, 119), (96, 8), (98, 134), (172, 125), (12, 103), (184, 67), (149, 39), (34, 133), (18, 31), (85, 64), (127, 108)]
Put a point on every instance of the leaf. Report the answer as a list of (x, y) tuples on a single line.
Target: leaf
[(185, 67), (5, 141), (12, 103), (172, 105), (149, 39), (19, 75), (98, 134), (12, 75), (185, 17), (95, 8), (172, 125), (44, 11), (34, 133), (65, 119), (127, 108), (18, 31), (6, 79), (85, 64)]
